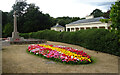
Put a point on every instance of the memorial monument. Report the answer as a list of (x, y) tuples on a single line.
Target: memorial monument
[(15, 33), (16, 39)]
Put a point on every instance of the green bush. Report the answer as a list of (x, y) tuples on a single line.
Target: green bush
[(25, 35), (94, 39)]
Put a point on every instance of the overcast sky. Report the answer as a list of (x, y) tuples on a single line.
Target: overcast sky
[(60, 8)]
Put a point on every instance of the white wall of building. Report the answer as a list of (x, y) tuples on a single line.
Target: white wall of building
[(75, 27), (89, 17), (58, 29)]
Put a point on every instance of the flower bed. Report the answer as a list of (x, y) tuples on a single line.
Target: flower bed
[(60, 53)]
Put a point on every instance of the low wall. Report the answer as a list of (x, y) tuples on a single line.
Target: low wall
[(5, 43), (29, 42)]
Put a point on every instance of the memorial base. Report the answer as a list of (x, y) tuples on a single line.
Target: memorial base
[(15, 39), (15, 35)]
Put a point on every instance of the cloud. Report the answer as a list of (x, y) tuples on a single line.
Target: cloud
[(97, 2), (59, 8), (104, 3)]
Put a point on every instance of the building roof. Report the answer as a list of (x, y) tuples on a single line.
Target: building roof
[(57, 25), (87, 20)]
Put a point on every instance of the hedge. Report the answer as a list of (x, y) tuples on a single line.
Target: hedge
[(95, 39)]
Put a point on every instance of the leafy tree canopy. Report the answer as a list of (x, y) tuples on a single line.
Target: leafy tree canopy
[(20, 7), (31, 19), (8, 29), (106, 14), (97, 13), (65, 20), (115, 15)]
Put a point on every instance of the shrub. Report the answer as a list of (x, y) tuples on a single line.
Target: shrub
[(94, 39)]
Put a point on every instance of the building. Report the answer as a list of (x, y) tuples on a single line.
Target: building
[(58, 27), (88, 23)]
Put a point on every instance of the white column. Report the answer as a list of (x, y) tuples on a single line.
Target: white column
[(70, 29), (74, 29), (79, 28), (84, 28), (90, 27), (106, 27), (98, 27), (66, 29)]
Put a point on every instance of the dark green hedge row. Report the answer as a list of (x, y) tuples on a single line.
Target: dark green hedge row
[(94, 39)]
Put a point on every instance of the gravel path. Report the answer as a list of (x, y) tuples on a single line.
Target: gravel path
[(16, 60)]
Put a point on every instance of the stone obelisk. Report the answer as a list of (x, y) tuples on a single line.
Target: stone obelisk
[(15, 34)]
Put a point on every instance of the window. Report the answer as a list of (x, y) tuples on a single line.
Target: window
[(68, 29), (77, 29)]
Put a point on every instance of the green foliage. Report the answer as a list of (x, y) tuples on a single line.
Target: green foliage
[(115, 15), (31, 19), (115, 18), (25, 35), (65, 20), (97, 13), (94, 39), (105, 20), (8, 29), (19, 7), (106, 14), (4, 18)]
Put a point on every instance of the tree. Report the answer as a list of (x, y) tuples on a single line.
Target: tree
[(20, 7), (8, 29), (106, 14), (75, 19), (115, 15), (65, 20), (35, 20), (7, 18), (4, 18), (31, 19), (115, 18), (97, 13)]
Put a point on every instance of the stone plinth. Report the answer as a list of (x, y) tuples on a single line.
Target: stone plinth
[(15, 39), (15, 35)]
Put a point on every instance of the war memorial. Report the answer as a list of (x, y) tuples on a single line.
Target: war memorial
[(16, 39)]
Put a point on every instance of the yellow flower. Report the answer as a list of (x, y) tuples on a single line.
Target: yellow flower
[(89, 60), (64, 51)]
